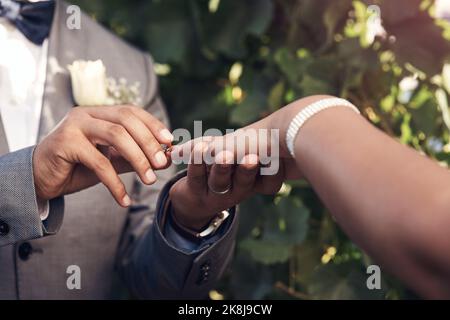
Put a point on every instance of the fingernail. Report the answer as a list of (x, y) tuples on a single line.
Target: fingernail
[(150, 175), (251, 159), (126, 201), (175, 149), (166, 135), (160, 159)]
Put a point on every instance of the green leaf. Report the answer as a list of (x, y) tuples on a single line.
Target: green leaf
[(289, 65), (424, 111), (406, 132), (266, 252), (254, 105), (276, 96), (311, 86), (227, 36), (442, 100), (169, 40), (286, 222)]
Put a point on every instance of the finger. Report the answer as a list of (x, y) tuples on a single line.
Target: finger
[(220, 176), (196, 172), (157, 128), (119, 163), (144, 137), (103, 132), (93, 159), (244, 178), (182, 153), (270, 184)]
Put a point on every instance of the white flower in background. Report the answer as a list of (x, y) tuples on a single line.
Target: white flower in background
[(374, 26), (120, 92), (435, 144), (89, 82), (442, 9), (407, 86)]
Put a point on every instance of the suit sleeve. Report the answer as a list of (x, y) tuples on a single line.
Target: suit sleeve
[(19, 214), (153, 267)]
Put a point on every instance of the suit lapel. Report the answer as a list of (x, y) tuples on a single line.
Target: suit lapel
[(57, 99)]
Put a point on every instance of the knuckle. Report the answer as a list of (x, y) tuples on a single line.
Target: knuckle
[(158, 124), (152, 145), (153, 120), (222, 169), (67, 131), (120, 188), (116, 131), (75, 113), (102, 164), (248, 172), (245, 180), (126, 113), (142, 163)]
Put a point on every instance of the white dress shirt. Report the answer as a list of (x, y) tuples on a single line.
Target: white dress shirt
[(22, 81)]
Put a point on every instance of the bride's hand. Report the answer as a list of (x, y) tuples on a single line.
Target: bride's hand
[(276, 164)]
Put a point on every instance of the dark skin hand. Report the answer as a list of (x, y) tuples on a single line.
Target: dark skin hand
[(390, 200), (195, 204)]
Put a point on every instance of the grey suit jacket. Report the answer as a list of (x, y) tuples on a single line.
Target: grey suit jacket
[(88, 229)]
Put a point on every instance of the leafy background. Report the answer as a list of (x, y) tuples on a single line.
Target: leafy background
[(229, 63)]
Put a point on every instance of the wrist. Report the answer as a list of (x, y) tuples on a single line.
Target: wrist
[(189, 221), (39, 190), (207, 231), (283, 118), (183, 213)]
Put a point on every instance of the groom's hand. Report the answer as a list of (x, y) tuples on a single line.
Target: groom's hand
[(208, 190), (94, 144)]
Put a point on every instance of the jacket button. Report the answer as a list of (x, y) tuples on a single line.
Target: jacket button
[(25, 250), (204, 273), (4, 228), (205, 267)]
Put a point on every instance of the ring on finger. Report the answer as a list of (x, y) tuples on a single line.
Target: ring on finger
[(228, 189)]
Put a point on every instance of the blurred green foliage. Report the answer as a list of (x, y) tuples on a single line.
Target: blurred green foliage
[(229, 63)]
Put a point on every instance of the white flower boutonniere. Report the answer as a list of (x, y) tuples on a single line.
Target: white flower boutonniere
[(92, 87)]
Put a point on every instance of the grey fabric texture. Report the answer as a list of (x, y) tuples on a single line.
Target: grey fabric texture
[(18, 207)]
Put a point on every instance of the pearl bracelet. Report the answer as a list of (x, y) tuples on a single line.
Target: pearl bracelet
[(308, 112)]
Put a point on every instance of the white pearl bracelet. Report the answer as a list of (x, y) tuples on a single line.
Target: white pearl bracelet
[(311, 110)]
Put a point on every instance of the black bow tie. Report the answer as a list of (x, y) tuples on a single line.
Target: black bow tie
[(33, 19)]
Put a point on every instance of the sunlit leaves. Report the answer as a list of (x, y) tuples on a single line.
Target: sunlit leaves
[(441, 98)]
